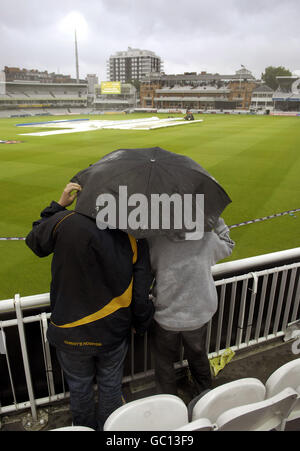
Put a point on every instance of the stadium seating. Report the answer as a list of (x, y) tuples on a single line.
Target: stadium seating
[(265, 415), (73, 429), (287, 375), (236, 406), (233, 406), (202, 424), (227, 396), (154, 413), (242, 405)]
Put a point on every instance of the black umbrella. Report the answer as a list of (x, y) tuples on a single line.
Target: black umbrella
[(143, 173)]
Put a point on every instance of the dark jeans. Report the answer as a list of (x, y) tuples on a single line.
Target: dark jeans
[(166, 345), (81, 372)]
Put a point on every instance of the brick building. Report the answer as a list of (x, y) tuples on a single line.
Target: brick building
[(198, 91), (16, 74)]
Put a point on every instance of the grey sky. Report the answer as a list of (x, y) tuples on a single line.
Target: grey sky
[(189, 35)]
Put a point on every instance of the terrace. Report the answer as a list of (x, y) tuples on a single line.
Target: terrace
[(25, 94), (259, 298)]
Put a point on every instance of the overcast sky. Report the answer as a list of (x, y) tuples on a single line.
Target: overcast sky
[(216, 36)]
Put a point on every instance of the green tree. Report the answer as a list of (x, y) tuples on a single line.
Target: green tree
[(270, 74)]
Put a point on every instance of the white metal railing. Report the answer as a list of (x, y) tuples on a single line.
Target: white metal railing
[(254, 307)]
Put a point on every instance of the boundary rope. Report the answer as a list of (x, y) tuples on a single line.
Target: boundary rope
[(251, 221)]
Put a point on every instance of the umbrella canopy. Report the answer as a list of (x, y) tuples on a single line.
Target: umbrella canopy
[(137, 178)]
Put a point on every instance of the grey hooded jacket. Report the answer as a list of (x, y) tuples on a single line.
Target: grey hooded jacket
[(184, 293)]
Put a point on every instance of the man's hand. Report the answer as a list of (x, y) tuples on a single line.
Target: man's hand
[(68, 196)]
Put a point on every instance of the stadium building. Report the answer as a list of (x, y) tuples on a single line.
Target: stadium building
[(262, 99), (24, 92), (92, 82), (124, 99), (132, 64), (287, 96), (198, 91), (189, 97)]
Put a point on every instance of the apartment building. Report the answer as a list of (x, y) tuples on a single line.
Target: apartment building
[(13, 74), (132, 64)]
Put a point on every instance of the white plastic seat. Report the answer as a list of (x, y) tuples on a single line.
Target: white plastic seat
[(154, 413), (72, 428), (261, 416), (202, 424), (287, 375), (227, 396)]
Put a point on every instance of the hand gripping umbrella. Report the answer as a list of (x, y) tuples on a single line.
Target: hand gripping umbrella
[(151, 188)]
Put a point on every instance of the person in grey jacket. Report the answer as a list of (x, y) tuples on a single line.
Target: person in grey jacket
[(185, 300)]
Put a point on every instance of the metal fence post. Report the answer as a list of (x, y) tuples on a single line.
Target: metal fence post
[(47, 354), (22, 337)]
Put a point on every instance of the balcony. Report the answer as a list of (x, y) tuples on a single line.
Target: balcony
[(259, 298)]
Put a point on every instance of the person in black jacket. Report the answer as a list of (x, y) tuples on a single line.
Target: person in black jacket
[(99, 290)]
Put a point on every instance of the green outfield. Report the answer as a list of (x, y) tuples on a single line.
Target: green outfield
[(255, 158)]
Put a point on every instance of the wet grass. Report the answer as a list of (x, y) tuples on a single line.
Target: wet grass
[(256, 159)]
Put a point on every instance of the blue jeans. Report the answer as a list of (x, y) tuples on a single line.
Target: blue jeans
[(81, 372)]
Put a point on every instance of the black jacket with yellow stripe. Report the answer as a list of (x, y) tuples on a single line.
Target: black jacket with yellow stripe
[(100, 280)]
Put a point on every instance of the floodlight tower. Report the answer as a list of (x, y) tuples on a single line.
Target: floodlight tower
[(76, 58)]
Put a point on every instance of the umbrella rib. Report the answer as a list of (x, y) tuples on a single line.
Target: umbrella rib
[(167, 171), (127, 170), (148, 181), (179, 164), (205, 173)]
